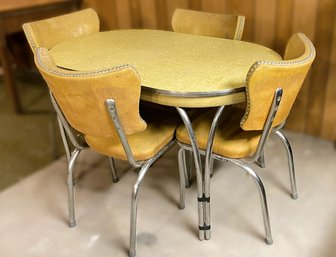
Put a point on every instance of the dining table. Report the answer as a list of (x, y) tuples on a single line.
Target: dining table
[(176, 69)]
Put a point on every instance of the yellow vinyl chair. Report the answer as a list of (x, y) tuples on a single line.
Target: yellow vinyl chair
[(236, 135), (103, 105), (205, 24), (208, 24), (49, 32)]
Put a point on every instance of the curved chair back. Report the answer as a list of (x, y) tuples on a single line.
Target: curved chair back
[(208, 24), (49, 32), (81, 96), (265, 77)]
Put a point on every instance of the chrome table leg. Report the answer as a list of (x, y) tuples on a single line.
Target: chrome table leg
[(198, 166)]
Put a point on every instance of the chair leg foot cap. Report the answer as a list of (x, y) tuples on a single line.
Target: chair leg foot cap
[(188, 185), (131, 254), (181, 207), (115, 180), (72, 224), (294, 196), (269, 241)]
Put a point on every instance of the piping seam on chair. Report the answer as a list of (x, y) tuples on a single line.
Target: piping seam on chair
[(239, 32), (81, 74), (276, 63), (29, 36)]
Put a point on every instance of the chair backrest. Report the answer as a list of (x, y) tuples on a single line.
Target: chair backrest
[(81, 96), (49, 32), (265, 77), (208, 24)]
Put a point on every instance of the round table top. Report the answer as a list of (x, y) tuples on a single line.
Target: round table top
[(175, 69)]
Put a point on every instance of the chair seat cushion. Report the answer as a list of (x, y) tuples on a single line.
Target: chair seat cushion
[(145, 144), (230, 140)]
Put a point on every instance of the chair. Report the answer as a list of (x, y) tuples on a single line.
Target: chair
[(208, 24), (205, 24), (103, 105), (49, 32), (271, 89)]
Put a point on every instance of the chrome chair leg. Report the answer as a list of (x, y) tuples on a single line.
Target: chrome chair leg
[(262, 193), (135, 192), (184, 163), (134, 206), (190, 166), (53, 135), (181, 163), (261, 160), (70, 182), (294, 193), (64, 139), (209, 170), (211, 167), (114, 174)]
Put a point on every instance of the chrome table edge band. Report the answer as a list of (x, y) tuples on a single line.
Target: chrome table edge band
[(193, 94)]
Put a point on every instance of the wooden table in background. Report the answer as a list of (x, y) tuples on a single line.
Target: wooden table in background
[(13, 13)]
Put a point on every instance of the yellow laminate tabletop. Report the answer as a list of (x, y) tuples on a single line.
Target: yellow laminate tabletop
[(176, 69)]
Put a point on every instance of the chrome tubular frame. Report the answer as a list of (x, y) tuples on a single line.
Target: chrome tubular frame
[(198, 165), (185, 166), (257, 157), (77, 140), (267, 127), (190, 165), (53, 134), (135, 194), (112, 109), (183, 178), (114, 174), (256, 179), (263, 199), (284, 140), (70, 182), (64, 138), (261, 160), (207, 170), (217, 93), (144, 167), (79, 143)]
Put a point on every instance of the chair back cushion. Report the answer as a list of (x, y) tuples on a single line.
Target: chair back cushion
[(265, 77), (208, 24), (49, 32), (81, 96)]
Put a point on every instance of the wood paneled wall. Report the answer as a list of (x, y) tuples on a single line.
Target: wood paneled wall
[(268, 22)]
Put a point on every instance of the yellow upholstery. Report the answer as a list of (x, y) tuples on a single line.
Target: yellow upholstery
[(144, 144), (208, 24), (238, 134), (265, 77), (81, 97), (49, 32)]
